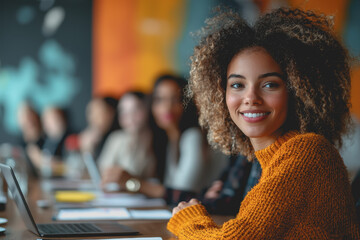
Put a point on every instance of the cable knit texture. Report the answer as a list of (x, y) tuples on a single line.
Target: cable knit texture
[(303, 193)]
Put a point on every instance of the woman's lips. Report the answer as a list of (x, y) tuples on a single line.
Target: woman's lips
[(167, 117), (254, 116)]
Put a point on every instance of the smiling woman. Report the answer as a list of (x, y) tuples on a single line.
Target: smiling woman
[(256, 96), (279, 91)]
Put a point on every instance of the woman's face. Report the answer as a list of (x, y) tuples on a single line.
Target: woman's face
[(167, 107), (53, 123), (256, 95), (132, 113), (29, 122), (99, 115)]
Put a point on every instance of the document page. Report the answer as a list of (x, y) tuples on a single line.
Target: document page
[(144, 238), (76, 214), (93, 214)]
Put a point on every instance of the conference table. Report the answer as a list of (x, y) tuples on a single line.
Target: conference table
[(16, 229)]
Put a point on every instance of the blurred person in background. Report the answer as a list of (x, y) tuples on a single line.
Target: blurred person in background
[(101, 119), (129, 150), (225, 195), (49, 157), (31, 132), (179, 144), (350, 151)]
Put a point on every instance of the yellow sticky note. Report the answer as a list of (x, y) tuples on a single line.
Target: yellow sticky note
[(74, 196)]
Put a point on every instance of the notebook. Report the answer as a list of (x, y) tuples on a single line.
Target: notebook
[(59, 229)]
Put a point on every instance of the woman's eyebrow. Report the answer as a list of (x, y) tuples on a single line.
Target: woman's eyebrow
[(270, 74), (236, 76)]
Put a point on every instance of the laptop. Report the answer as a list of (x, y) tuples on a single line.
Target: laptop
[(59, 229), (95, 176), (92, 184), (92, 169)]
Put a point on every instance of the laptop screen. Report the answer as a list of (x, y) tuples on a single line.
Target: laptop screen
[(95, 175), (105, 229), (18, 197)]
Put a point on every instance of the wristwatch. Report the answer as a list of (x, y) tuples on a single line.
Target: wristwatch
[(133, 185)]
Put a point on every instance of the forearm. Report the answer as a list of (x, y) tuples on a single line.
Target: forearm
[(152, 189), (194, 223)]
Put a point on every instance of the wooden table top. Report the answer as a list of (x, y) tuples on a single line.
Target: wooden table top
[(16, 229)]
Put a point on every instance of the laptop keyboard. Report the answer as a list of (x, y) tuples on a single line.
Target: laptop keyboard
[(68, 228)]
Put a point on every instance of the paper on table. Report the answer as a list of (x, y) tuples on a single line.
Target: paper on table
[(111, 214), (93, 214), (128, 202), (145, 238), (157, 214)]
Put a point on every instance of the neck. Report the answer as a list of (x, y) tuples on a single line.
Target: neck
[(141, 134), (263, 142), (31, 136), (173, 134)]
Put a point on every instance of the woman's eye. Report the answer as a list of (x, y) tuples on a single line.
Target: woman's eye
[(237, 85), (271, 85)]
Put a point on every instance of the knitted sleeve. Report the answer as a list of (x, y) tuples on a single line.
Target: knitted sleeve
[(272, 209)]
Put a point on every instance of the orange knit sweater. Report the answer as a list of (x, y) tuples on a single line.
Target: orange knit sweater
[(303, 193)]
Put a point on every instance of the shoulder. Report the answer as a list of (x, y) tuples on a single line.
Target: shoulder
[(310, 147), (192, 133), (191, 138), (309, 141), (117, 135)]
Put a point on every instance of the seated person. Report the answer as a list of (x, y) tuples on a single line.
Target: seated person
[(102, 121), (129, 149), (49, 158), (350, 150), (264, 90), (32, 133), (225, 194)]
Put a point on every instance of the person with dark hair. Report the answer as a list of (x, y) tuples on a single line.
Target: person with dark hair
[(129, 149), (226, 194), (278, 91), (102, 120), (32, 134), (179, 144), (49, 157)]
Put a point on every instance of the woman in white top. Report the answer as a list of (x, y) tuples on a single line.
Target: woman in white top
[(129, 149), (179, 146)]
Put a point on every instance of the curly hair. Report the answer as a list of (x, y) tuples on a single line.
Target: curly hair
[(315, 64)]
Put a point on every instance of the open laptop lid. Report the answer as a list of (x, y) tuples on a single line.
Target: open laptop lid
[(92, 169), (95, 175), (19, 198), (108, 229)]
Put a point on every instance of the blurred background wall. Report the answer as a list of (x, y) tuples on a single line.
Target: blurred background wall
[(45, 59), (63, 52)]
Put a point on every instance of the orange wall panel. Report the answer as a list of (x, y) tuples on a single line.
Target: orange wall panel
[(134, 42), (114, 46)]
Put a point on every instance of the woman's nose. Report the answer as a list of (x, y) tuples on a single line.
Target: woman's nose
[(252, 97)]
